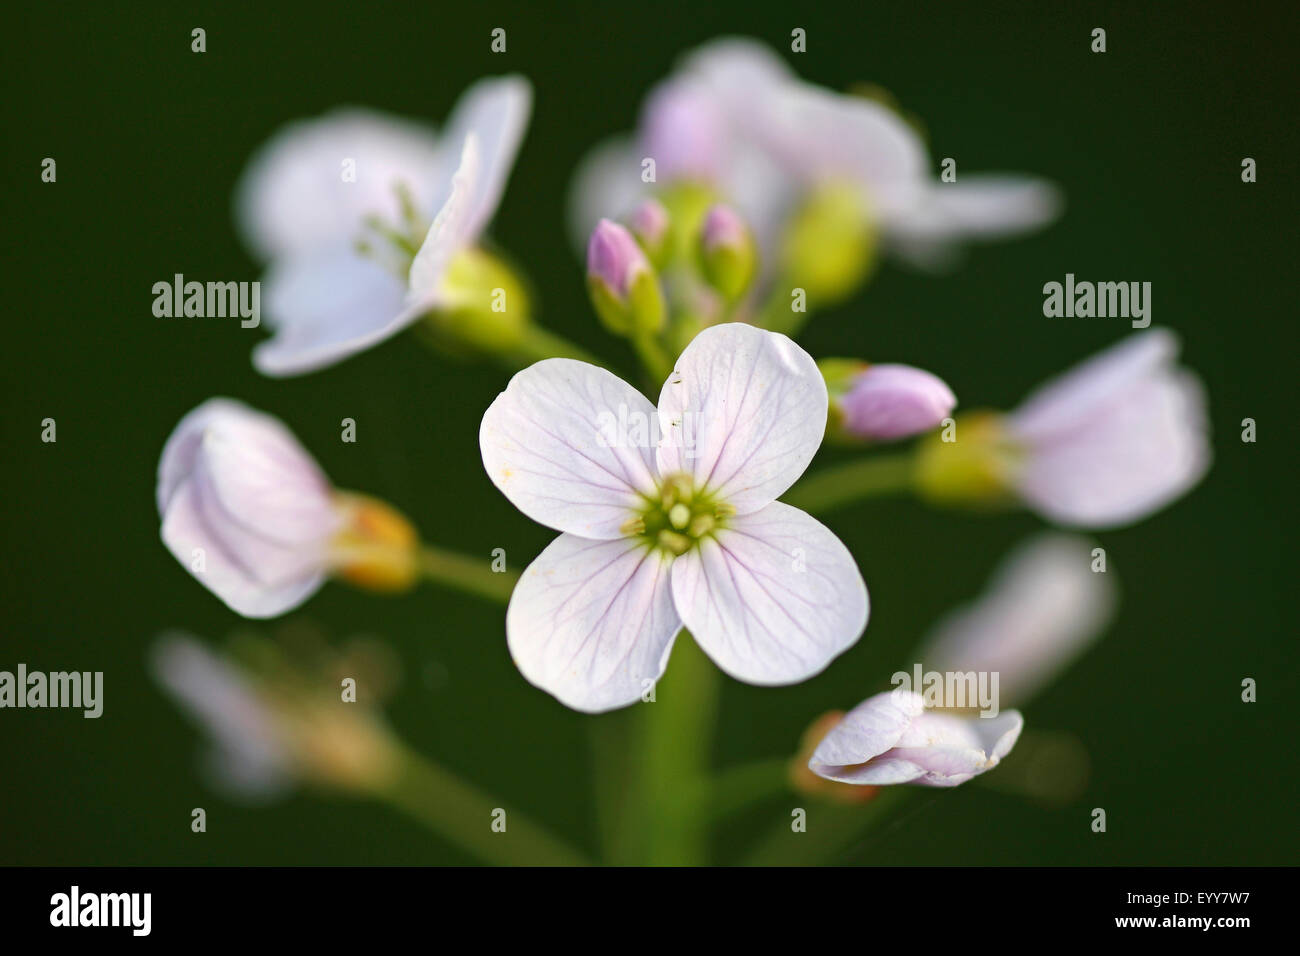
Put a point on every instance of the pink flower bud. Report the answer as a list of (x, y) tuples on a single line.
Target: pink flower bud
[(614, 257), (894, 401)]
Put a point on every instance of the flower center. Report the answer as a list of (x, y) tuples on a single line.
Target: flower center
[(679, 517), (394, 246)]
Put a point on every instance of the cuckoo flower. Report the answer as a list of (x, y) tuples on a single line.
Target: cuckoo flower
[(1105, 444), (683, 530), (370, 222), (891, 738), (733, 116), (273, 729), (249, 513), (1115, 438), (1046, 603)]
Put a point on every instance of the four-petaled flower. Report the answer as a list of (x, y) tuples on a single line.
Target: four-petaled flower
[(354, 258), (682, 532)]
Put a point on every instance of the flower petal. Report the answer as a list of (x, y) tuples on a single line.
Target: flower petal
[(248, 756), (185, 529), (592, 622), (867, 731), (325, 305), (743, 413), (293, 195), (554, 443), (606, 184), (952, 749), (495, 112), (1134, 456), (773, 597), (450, 233), (1042, 608), (1070, 399)]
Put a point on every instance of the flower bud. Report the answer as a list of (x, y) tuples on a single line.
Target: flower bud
[(974, 463), (886, 402), (483, 305), (830, 244), (728, 253), (803, 780), (650, 224), (623, 285)]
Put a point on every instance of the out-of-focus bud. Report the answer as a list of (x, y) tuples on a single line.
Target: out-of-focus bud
[(378, 548), (623, 285), (803, 780), (728, 253), (830, 244), (973, 461), (884, 402), (650, 224), (483, 305)]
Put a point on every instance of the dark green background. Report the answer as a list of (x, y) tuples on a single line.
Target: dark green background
[(1147, 142)]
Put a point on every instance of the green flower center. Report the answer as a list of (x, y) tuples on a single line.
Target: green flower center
[(679, 517)]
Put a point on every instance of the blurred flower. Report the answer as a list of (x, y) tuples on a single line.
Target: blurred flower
[(683, 530), (1108, 443), (342, 207), (887, 401), (1115, 438), (251, 515), (735, 117), (1044, 605), (891, 738), (274, 729)]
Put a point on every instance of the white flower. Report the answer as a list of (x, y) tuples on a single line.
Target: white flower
[(734, 116), (1115, 438), (249, 757), (891, 738), (321, 187), (245, 508), (685, 534), (1042, 608)]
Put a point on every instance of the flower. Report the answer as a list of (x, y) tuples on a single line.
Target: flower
[(1044, 605), (251, 515), (888, 401), (679, 531), (249, 755), (341, 206), (891, 738), (273, 730), (1114, 439), (1106, 444), (735, 117)]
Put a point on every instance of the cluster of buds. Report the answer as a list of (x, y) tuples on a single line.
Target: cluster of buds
[(675, 267)]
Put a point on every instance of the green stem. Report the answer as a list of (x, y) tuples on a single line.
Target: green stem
[(538, 344), (464, 815), (830, 828), (863, 478), (466, 573), (653, 357), (745, 785), (776, 314), (677, 731), (613, 737)]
